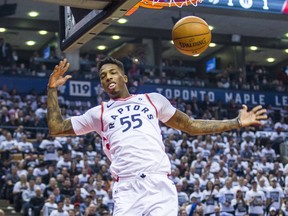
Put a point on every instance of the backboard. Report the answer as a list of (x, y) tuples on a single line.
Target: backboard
[(80, 24)]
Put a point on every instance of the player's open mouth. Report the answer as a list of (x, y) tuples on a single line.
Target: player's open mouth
[(111, 85)]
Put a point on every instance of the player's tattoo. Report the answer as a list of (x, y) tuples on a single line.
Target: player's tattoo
[(183, 122), (56, 124)]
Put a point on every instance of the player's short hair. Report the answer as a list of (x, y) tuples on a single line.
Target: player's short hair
[(110, 60)]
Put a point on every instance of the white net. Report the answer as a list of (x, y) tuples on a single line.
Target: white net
[(177, 3)]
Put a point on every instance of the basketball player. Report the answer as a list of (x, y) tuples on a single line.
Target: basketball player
[(131, 137)]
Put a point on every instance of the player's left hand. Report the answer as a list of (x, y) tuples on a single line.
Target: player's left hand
[(252, 117)]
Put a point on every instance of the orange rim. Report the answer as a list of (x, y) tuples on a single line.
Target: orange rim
[(159, 4), (169, 3)]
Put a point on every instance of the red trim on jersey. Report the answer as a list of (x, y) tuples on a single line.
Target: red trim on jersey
[(124, 99), (101, 116), (149, 99)]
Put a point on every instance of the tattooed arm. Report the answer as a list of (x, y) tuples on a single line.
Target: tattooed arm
[(184, 123), (57, 126)]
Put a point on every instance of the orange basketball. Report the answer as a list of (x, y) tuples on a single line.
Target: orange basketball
[(191, 35)]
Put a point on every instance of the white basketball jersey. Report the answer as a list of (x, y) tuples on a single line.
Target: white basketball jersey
[(130, 132)]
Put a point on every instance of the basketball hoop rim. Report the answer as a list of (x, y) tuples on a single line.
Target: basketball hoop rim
[(160, 4), (173, 3)]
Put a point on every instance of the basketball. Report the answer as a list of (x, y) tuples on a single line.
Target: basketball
[(191, 35)]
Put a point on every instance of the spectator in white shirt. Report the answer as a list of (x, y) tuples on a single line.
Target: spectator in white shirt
[(38, 183), (248, 132), (241, 186), (220, 143), (203, 180), (50, 147), (41, 111), (197, 193), (9, 145), (24, 145), (28, 194), (59, 211), (41, 170), (196, 144), (182, 196), (247, 141), (268, 152), (18, 188), (193, 175), (265, 166), (67, 204), (108, 201), (199, 164), (246, 154), (175, 162), (83, 177), (226, 195), (257, 155), (174, 175), (100, 192), (281, 124), (65, 161), (205, 152), (184, 138), (231, 144), (210, 198), (231, 158), (275, 195), (261, 186), (223, 167), (256, 200), (239, 204), (285, 209), (91, 154), (260, 175)]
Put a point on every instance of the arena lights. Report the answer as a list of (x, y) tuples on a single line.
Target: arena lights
[(270, 60), (211, 27), (2, 29), (33, 14), (115, 37), (286, 50), (212, 45), (101, 47), (30, 43), (42, 32), (122, 21), (253, 48)]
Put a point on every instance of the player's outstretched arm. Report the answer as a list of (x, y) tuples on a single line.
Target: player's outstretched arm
[(57, 126), (184, 123)]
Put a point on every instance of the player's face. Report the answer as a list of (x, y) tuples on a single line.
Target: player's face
[(113, 80)]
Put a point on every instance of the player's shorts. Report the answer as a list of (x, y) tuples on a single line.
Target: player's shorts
[(145, 195)]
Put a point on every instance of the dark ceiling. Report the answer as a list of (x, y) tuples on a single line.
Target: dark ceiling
[(261, 29)]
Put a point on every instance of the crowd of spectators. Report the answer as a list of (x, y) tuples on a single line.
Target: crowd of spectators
[(171, 72), (226, 173)]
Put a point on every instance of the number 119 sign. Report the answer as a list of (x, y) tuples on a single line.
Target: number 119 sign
[(80, 88)]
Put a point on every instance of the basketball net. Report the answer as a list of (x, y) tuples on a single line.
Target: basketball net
[(177, 3), (159, 4)]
